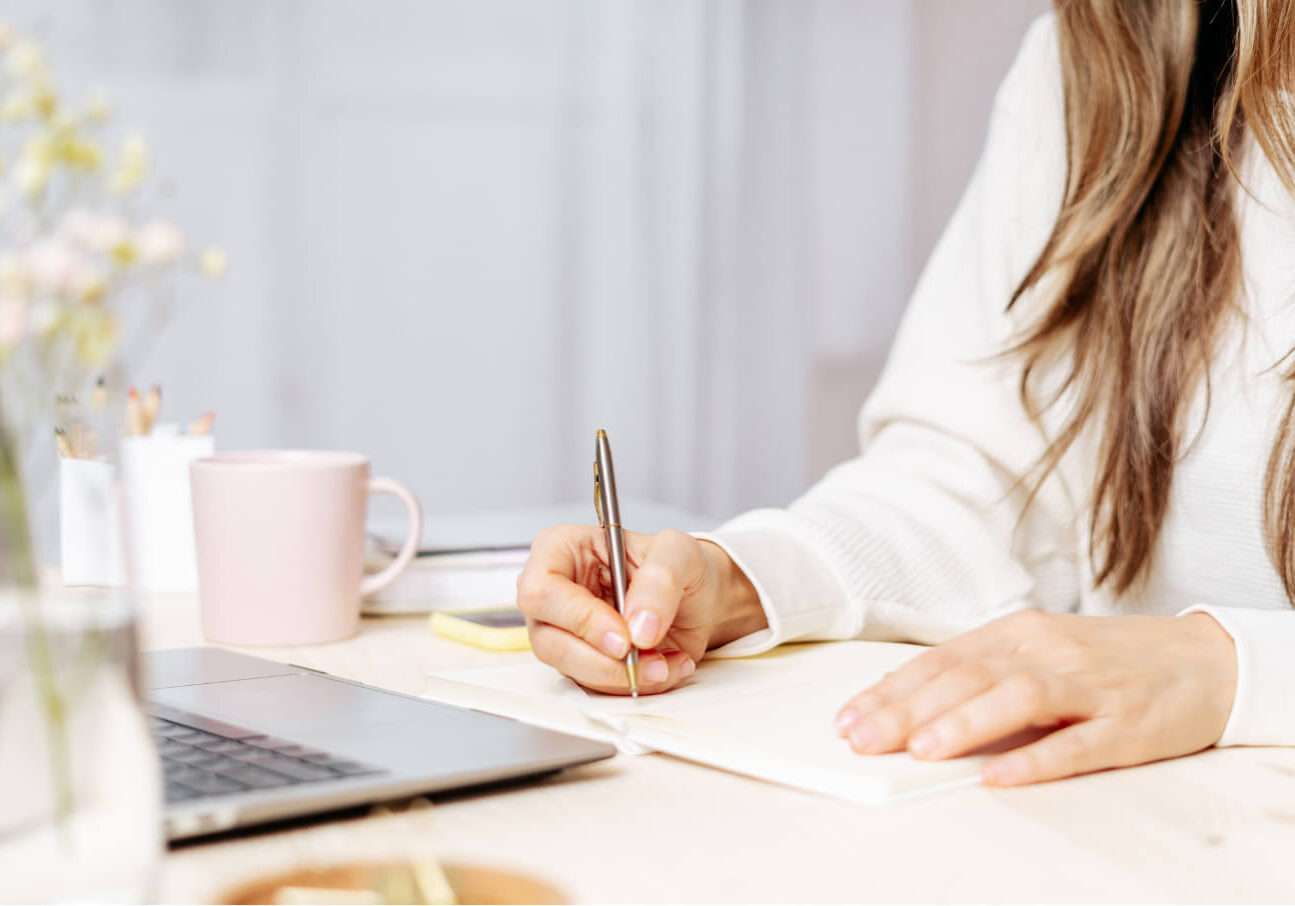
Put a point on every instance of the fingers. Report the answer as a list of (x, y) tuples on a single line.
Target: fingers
[(673, 564), (887, 728), (557, 601), (964, 653), (1019, 701), (1077, 749), (548, 593), (896, 685), (594, 670)]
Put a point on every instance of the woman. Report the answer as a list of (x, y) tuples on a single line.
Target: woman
[(1080, 455)]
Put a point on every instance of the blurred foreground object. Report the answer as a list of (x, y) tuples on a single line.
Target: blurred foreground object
[(86, 279)]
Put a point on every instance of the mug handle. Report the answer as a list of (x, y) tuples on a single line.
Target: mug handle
[(381, 580)]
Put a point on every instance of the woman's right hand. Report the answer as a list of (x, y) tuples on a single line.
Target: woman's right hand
[(684, 597)]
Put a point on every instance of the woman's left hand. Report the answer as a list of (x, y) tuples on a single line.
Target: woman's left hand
[(1119, 690)]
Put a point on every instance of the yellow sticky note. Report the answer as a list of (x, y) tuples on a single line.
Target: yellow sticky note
[(496, 629)]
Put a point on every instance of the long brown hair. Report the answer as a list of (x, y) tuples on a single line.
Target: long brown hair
[(1144, 258)]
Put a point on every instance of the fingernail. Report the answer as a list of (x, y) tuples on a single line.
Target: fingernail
[(923, 744), (614, 644), (688, 668), (643, 629), (845, 720), (656, 671), (1003, 772), (863, 735), (865, 705)]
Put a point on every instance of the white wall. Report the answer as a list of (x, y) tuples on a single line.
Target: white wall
[(464, 234)]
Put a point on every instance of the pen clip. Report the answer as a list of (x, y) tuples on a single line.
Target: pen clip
[(598, 497)]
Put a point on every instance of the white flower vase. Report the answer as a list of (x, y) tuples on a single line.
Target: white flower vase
[(80, 787)]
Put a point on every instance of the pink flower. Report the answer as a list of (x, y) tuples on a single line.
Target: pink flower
[(159, 243), (52, 264), (13, 321)]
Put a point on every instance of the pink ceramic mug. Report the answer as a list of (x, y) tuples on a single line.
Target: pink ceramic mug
[(280, 536)]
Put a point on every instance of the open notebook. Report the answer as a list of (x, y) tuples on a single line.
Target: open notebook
[(768, 716)]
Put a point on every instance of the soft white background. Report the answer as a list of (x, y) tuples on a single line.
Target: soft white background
[(465, 234)]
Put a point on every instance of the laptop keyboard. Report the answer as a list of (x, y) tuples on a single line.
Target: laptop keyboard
[(197, 764)]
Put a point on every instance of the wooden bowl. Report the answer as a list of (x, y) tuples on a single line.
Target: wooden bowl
[(471, 884)]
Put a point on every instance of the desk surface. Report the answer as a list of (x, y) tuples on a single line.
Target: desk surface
[(1219, 826)]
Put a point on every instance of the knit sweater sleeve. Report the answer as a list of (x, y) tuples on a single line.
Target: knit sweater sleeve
[(926, 533)]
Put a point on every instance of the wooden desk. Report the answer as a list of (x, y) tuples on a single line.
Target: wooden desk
[(1219, 826)]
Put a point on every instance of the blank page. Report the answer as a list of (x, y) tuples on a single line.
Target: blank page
[(768, 716)]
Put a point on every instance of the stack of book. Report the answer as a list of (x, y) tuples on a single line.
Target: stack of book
[(472, 560)]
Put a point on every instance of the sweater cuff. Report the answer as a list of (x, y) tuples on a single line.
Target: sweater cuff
[(801, 597), (1263, 711)]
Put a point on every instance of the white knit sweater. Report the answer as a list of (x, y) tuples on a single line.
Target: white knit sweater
[(917, 539)]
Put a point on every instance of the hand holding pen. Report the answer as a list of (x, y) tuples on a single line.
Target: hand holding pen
[(683, 596)]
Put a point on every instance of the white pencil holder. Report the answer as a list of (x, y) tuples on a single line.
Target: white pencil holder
[(159, 508), (90, 523)]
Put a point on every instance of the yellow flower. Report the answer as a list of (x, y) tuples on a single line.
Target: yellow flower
[(124, 253), (82, 154), (213, 262), (46, 101), (134, 166), (94, 334), (17, 107), (14, 279), (26, 60), (34, 166), (98, 109), (91, 290)]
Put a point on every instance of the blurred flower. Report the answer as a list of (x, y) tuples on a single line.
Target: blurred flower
[(14, 279), (89, 284), (44, 317), (35, 165), (124, 253), (99, 232), (81, 154), (159, 243), (52, 264), (13, 321), (94, 333), (78, 225), (98, 109), (19, 106), (133, 167), (213, 262), (69, 250), (26, 60)]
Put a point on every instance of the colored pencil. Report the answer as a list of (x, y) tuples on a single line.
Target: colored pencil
[(203, 424), (62, 444), (152, 406)]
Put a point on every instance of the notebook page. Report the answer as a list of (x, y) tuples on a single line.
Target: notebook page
[(768, 716)]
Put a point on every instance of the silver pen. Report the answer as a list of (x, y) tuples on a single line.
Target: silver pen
[(609, 517)]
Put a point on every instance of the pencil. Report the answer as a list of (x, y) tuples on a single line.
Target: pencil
[(99, 395), (134, 414), (62, 444), (203, 424), (152, 406)]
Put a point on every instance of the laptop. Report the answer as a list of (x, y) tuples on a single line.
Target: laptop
[(245, 741)]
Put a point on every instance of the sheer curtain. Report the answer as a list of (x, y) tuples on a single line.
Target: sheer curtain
[(465, 234)]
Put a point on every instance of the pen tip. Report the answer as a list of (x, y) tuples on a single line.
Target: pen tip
[(602, 433)]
